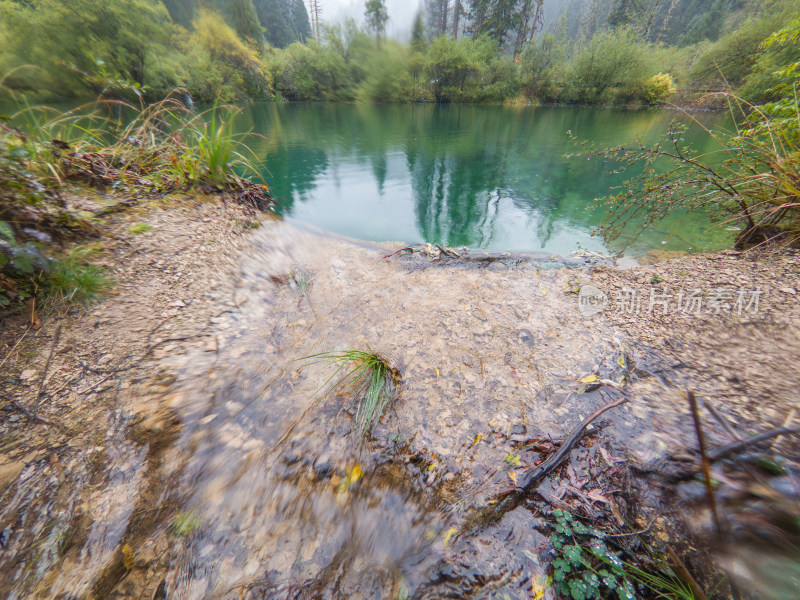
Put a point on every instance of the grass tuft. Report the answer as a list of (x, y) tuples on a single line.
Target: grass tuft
[(73, 279), (140, 228), (370, 377)]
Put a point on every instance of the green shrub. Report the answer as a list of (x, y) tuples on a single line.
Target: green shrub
[(541, 64), (611, 68), (658, 88), (219, 66), (310, 72), (388, 77), (468, 70), (75, 279)]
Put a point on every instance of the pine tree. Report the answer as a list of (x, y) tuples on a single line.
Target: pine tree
[(418, 32), (375, 11)]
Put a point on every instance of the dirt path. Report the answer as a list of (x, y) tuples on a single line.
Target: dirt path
[(197, 458)]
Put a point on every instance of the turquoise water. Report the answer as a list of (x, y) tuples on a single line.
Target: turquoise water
[(486, 177)]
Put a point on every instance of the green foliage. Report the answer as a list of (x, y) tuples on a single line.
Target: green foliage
[(284, 22), (213, 143), (370, 378), (586, 568), (143, 49), (219, 66), (658, 88), (242, 16), (377, 16), (85, 44), (418, 38), (74, 279), (468, 70), (186, 523), (612, 67), (139, 228), (541, 65), (311, 72), (727, 62), (388, 77)]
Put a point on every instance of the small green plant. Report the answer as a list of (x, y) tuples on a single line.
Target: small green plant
[(370, 377), (586, 568), (74, 279), (140, 228), (186, 523)]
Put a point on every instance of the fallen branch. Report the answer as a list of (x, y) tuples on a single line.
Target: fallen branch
[(735, 447), (56, 334), (705, 464), (724, 452), (532, 479)]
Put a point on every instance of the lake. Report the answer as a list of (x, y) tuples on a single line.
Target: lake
[(487, 177)]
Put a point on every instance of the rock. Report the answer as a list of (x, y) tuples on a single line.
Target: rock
[(27, 375), (322, 466), (9, 471), (788, 290)]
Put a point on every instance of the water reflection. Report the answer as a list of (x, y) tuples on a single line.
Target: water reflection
[(485, 177)]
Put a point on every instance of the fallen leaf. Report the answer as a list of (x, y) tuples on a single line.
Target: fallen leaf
[(539, 585), (589, 378), (513, 476), (477, 439), (597, 495), (513, 459), (449, 534), (127, 556)]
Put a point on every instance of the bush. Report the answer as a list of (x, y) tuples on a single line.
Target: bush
[(219, 66), (310, 72), (658, 88), (468, 71), (726, 63), (388, 77), (541, 63), (613, 67)]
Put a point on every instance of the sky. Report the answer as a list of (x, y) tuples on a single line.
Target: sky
[(401, 14)]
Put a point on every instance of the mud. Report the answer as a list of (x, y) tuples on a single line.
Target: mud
[(230, 472)]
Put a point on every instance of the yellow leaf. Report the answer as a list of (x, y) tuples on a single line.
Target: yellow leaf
[(449, 534), (437, 373), (590, 378), (513, 459), (127, 556), (477, 439), (353, 474), (513, 476), (537, 588)]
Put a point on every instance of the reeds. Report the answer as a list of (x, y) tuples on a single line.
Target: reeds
[(370, 378), (111, 143)]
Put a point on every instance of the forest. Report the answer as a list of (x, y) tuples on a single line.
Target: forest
[(517, 51)]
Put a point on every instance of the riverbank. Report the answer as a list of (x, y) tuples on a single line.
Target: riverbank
[(187, 453)]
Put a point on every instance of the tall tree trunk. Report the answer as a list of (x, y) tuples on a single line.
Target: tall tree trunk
[(456, 15), (537, 18), (522, 31)]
